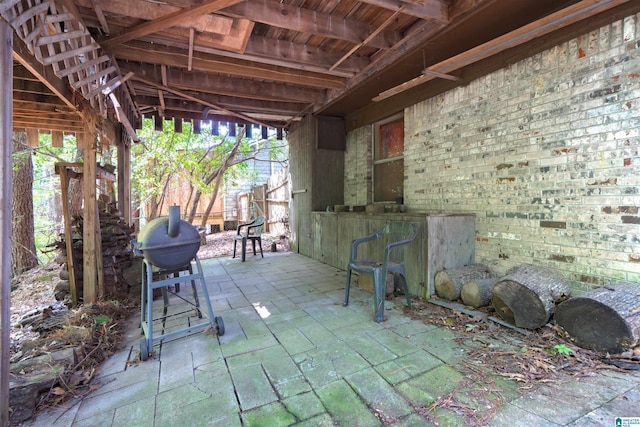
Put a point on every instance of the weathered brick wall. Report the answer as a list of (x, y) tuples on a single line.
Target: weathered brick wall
[(545, 152)]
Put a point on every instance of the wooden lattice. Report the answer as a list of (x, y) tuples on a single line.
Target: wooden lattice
[(56, 37)]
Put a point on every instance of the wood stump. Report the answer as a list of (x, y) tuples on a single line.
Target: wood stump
[(477, 293), (448, 283), (605, 319), (527, 295)]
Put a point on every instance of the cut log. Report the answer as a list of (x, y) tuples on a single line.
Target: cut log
[(477, 293), (527, 295), (448, 283), (604, 319)]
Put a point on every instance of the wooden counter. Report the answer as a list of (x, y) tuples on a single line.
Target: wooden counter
[(442, 241)]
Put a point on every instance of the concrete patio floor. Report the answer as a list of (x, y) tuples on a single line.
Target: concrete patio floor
[(293, 355)]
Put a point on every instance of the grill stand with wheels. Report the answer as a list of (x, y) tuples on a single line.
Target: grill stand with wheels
[(172, 277)]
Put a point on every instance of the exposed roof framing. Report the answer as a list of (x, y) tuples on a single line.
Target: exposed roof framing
[(269, 62)]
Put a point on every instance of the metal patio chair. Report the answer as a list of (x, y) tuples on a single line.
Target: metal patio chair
[(252, 232), (389, 260)]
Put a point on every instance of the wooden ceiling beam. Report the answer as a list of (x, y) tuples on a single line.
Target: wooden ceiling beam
[(230, 103), (368, 39), (35, 104), (166, 21), (149, 11), (153, 53), (298, 53), (97, 8), (271, 52), (227, 85), (433, 10), (45, 123), (196, 99), (309, 21), (272, 122)]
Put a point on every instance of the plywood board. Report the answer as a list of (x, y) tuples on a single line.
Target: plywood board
[(451, 244)]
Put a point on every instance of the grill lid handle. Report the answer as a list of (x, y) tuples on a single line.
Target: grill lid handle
[(174, 221)]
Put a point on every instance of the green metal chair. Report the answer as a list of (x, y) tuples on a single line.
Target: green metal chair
[(253, 232), (397, 235)]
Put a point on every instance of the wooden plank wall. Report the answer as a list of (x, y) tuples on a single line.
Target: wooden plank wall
[(317, 180), (301, 146), (442, 241)]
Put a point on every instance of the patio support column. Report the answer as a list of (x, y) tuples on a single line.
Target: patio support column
[(124, 174), (89, 220), (6, 127)]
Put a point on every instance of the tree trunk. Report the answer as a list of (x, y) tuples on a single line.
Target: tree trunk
[(605, 319), (23, 249), (526, 297), (448, 283), (477, 293)]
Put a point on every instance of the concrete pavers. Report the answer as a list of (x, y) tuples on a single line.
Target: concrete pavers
[(293, 355)]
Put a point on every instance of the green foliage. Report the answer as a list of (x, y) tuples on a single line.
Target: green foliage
[(559, 349), (102, 319), (193, 158)]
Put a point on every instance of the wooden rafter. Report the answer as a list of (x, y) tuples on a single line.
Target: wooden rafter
[(371, 36), (201, 101), (435, 10), (167, 21), (153, 53), (149, 11), (311, 22), (230, 86)]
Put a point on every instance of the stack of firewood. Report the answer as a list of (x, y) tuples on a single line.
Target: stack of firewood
[(117, 256)]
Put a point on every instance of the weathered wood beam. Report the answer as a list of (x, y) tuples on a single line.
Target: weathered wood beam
[(231, 103), (195, 99), (294, 18), (35, 107), (192, 34), (227, 85), (268, 51), (123, 171), (149, 11), (97, 8), (370, 37), (152, 53), (300, 54), (167, 21), (89, 217), (6, 76), (122, 117), (273, 121), (435, 10), (46, 124)]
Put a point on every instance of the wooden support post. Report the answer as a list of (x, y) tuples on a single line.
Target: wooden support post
[(157, 123), (57, 139), (6, 125), (99, 266), (124, 176), (32, 137), (68, 235), (89, 244)]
